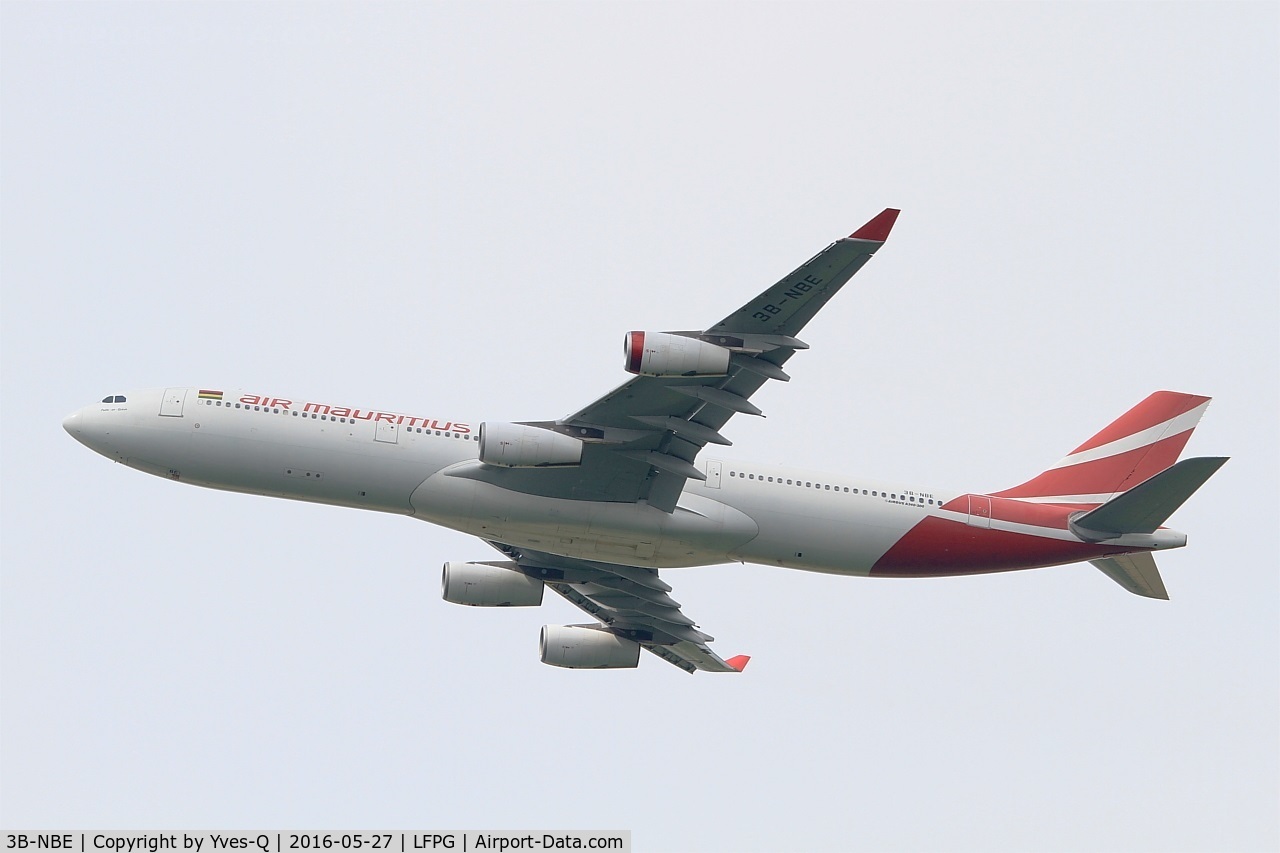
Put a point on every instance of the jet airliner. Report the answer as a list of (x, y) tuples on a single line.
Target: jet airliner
[(594, 504)]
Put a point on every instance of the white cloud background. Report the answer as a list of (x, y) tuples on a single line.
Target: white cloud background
[(459, 209)]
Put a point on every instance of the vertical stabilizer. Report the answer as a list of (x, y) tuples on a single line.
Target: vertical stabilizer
[(1138, 445)]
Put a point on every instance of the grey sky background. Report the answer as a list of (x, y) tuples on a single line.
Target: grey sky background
[(459, 210)]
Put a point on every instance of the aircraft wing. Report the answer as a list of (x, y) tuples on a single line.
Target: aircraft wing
[(641, 439), (631, 602)]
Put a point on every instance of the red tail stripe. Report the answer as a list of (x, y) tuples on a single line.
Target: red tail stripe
[(1156, 409), (938, 548), (1104, 476), (1018, 512)]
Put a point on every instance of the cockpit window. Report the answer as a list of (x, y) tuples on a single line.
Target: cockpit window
[(118, 399), (107, 399), (113, 398)]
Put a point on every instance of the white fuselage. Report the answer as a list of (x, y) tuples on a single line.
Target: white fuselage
[(402, 464)]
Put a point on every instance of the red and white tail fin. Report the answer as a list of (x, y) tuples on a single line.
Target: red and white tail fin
[(1140, 444)]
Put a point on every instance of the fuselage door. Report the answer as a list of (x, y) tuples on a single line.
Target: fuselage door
[(713, 473), (386, 431), (171, 402), (979, 511)]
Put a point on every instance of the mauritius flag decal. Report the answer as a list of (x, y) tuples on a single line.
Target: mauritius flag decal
[(210, 395)]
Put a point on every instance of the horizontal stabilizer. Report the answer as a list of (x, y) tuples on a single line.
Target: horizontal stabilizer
[(1147, 505), (1136, 573)]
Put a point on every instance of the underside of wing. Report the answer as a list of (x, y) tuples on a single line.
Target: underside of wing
[(639, 442), (629, 603), (691, 383)]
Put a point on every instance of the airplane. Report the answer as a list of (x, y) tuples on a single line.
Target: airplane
[(593, 505)]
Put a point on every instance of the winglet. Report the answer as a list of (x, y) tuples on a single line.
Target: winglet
[(879, 227), (739, 662)]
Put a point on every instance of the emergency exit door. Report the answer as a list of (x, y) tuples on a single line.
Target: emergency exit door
[(172, 401), (387, 432), (979, 511)]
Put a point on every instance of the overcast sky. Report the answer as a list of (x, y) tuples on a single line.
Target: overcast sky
[(460, 209)]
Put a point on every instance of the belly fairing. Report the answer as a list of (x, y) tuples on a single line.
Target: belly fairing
[(700, 531)]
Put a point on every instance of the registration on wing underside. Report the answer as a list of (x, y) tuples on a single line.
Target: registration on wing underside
[(641, 440), (788, 306)]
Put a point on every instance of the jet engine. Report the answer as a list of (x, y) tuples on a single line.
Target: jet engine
[(524, 446), (575, 647), (489, 585), (661, 354)]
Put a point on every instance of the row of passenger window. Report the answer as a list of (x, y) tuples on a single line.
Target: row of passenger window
[(827, 487), (269, 410)]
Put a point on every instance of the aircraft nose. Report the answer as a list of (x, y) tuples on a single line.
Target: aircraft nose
[(84, 428)]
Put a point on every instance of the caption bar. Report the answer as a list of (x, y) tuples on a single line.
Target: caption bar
[(463, 841)]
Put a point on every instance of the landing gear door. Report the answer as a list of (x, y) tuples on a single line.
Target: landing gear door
[(172, 401)]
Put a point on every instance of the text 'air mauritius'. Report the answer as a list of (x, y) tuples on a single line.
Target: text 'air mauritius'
[(354, 414)]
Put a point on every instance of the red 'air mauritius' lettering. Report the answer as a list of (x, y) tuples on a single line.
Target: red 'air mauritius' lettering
[(355, 414)]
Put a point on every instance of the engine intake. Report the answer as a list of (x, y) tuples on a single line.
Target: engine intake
[(662, 354), (575, 647), (489, 585), (524, 446)]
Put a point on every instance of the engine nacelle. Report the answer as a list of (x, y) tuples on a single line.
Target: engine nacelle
[(660, 354), (489, 585), (524, 446), (574, 647)]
